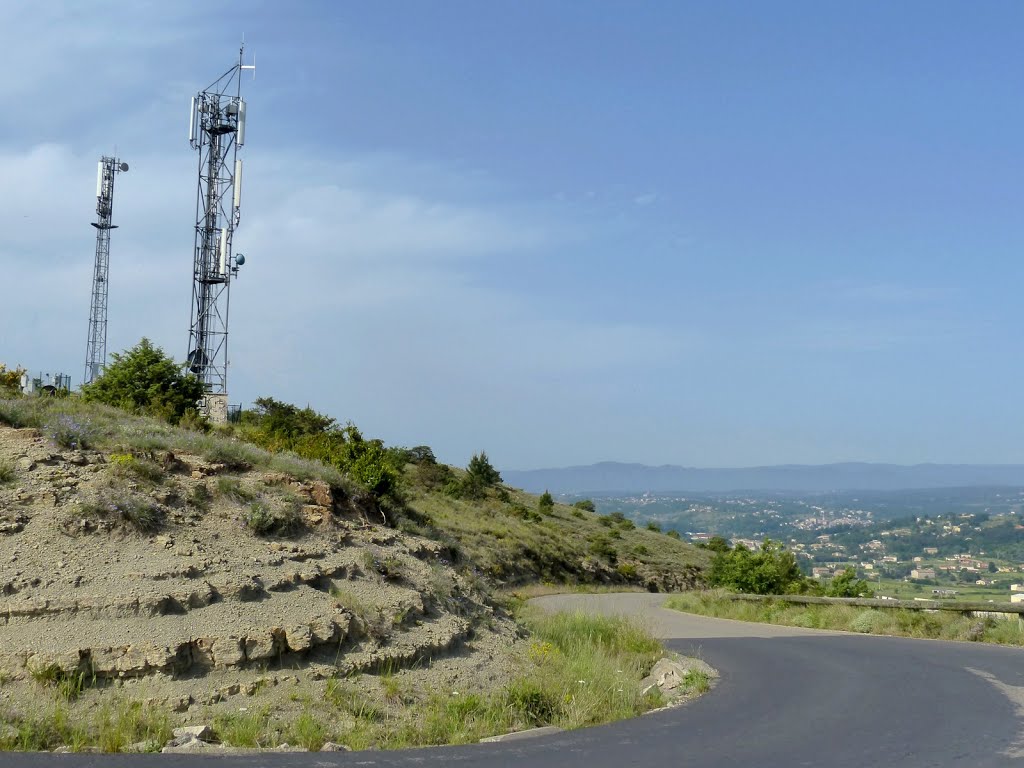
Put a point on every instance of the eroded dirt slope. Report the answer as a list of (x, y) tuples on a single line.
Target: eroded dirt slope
[(147, 573)]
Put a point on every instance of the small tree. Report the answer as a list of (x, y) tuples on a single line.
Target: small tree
[(144, 379), (482, 471), (586, 505), (545, 504)]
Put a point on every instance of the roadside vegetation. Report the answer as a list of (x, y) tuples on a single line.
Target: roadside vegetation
[(773, 570), (937, 625), (579, 670)]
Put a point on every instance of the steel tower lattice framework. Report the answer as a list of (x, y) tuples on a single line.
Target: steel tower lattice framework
[(96, 345), (217, 131)]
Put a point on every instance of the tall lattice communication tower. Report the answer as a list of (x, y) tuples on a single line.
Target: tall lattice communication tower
[(217, 131), (96, 346)]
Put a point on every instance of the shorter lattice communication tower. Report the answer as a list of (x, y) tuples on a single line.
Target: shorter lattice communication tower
[(96, 346), (217, 131)]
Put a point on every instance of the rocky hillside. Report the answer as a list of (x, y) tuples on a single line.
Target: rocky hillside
[(207, 577), (199, 583)]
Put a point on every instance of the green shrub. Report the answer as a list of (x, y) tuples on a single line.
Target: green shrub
[(586, 505), (145, 380), (8, 474), (545, 504), (145, 470), (137, 511), (522, 511), (602, 547), (200, 496), (10, 380), (193, 420), (232, 488), (865, 621), (846, 584), (770, 571), (431, 475), (265, 517)]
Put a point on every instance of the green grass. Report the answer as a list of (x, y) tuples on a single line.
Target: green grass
[(147, 471), (111, 726), (8, 474), (68, 686), (941, 625), (581, 670)]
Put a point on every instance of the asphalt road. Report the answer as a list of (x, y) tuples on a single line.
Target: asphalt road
[(786, 697)]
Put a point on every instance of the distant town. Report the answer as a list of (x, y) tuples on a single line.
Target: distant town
[(965, 542)]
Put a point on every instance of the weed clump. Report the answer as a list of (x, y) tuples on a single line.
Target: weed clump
[(67, 685), (264, 518), (67, 431), (136, 511)]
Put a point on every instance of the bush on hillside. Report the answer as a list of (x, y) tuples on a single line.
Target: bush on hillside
[(846, 584), (145, 380), (716, 544), (545, 504), (481, 470), (480, 475), (279, 426), (10, 380), (771, 571)]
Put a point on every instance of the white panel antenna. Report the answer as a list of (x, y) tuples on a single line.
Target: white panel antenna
[(241, 122), (238, 183), (223, 251)]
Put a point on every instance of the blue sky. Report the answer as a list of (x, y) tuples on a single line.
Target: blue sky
[(710, 234)]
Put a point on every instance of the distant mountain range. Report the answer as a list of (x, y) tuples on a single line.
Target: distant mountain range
[(612, 477)]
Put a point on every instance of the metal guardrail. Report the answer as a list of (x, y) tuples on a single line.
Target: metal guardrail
[(960, 606)]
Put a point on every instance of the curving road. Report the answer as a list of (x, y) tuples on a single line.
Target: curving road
[(787, 697)]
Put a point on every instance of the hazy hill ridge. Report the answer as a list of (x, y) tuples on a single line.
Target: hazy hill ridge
[(610, 477)]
